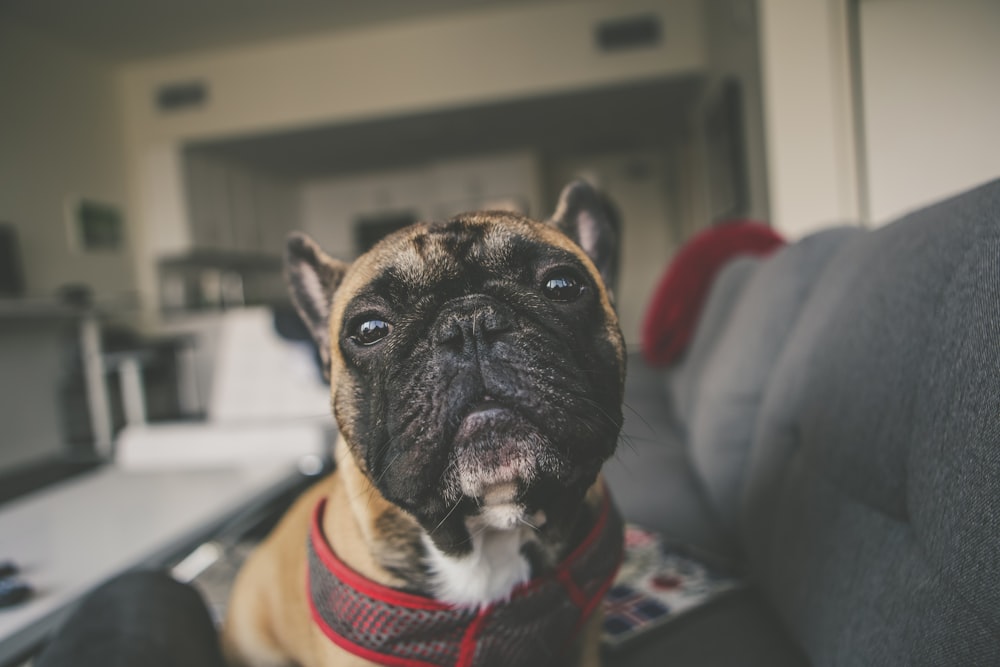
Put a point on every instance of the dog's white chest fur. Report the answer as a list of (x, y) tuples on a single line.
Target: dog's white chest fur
[(489, 573), (496, 564)]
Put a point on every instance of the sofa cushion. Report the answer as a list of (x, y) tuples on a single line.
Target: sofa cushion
[(683, 378), (872, 507), (679, 296), (650, 475), (731, 387)]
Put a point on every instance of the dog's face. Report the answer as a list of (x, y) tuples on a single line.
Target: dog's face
[(476, 365)]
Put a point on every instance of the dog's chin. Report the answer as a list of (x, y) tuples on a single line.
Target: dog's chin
[(501, 508), (499, 459)]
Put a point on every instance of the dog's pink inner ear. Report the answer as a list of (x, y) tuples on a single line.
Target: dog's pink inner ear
[(313, 277), (589, 218)]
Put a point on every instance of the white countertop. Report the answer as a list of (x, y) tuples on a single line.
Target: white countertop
[(69, 538)]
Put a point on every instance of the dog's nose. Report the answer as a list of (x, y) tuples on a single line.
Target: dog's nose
[(471, 321)]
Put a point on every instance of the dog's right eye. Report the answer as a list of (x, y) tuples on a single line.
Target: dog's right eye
[(371, 331)]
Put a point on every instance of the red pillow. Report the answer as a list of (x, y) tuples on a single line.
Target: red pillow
[(677, 302)]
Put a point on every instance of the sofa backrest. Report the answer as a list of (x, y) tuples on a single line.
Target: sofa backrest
[(733, 378), (871, 510), (683, 380)]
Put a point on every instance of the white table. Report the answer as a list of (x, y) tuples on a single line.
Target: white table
[(69, 538)]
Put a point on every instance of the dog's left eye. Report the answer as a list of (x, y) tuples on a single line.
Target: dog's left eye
[(562, 286), (370, 332)]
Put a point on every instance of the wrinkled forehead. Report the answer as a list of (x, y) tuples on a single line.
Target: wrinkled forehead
[(427, 254)]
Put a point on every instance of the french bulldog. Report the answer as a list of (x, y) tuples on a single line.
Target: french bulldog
[(476, 369)]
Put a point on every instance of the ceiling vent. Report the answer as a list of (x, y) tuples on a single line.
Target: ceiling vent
[(180, 96), (635, 32)]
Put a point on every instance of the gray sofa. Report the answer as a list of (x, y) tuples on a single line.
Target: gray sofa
[(834, 431)]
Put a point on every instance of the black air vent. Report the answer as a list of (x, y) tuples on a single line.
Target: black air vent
[(179, 96), (635, 32)]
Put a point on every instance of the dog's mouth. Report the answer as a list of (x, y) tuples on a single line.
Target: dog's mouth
[(498, 455), (501, 451), (485, 413)]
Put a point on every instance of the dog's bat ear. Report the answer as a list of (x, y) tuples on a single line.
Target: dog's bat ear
[(587, 216), (313, 277)]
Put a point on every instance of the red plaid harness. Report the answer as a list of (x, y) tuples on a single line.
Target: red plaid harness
[(534, 627)]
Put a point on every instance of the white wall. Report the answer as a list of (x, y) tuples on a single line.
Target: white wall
[(474, 57), (60, 137), (808, 109), (931, 77), (440, 62)]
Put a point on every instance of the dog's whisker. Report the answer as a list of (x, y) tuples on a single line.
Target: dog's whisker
[(639, 415), (628, 442), (387, 467), (450, 512), (600, 409), (371, 489), (528, 523)]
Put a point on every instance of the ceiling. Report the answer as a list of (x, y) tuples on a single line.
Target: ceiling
[(125, 30), (635, 116)]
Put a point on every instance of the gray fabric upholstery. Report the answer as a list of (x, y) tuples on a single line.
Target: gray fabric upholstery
[(683, 380), (871, 511), (649, 476), (847, 418), (735, 374)]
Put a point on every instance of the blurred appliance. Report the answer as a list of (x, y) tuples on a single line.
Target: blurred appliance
[(267, 405)]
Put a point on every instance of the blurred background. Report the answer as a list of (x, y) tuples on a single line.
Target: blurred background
[(153, 156)]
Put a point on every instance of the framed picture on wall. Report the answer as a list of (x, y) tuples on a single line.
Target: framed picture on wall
[(95, 226)]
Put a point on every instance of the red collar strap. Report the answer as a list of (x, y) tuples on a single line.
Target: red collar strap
[(392, 627)]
